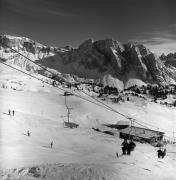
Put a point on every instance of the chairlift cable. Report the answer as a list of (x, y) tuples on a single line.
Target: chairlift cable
[(107, 107), (136, 121)]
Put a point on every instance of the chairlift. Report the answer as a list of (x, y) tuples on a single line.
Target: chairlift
[(131, 127), (68, 123), (66, 93)]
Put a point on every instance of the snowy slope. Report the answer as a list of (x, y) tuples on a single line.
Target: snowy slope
[(78, 153)]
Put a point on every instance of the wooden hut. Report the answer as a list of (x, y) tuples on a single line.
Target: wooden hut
[(142, 134)]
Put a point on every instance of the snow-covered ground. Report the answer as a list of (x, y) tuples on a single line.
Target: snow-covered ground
[(79, 153)]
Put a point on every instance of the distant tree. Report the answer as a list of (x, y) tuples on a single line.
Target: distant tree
[(145, 91), (138, 91), (155, 99), (100, 94), (53, 76)]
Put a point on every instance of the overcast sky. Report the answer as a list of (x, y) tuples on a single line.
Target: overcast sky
[(63, 22)]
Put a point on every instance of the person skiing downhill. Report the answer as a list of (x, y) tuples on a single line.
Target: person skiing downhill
[(51, 144), (9, 111), (13, 112), (28, 133)]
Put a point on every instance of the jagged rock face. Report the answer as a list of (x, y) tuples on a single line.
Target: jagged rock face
[(169, 59), (135, 56), (107, 60), (112, 51), (23, 44), (29, 47), (26, 47), (109, 57), (156, 68), (86, 57), (9, 42), (101, 56)]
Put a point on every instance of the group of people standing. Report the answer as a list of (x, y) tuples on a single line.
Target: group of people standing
[(11, 111), (128, 146)]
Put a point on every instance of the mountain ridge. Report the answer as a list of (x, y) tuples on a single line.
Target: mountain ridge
[(106, 61)]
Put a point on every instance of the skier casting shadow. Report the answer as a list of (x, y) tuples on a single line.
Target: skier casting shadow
[(28, 133), (161, 153), (51, 144)]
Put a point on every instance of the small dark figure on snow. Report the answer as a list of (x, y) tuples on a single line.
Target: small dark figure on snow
[(9, 111), (117, 154), (131, 147), (54, 83), (51, 144), (161, 153), (28, 133), (124, 146), (13, 112)]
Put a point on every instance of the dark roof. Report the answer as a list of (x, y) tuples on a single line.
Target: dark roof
[(141, 132)]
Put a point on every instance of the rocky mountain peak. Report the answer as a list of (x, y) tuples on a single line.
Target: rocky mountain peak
[(107, 44), (139, 48), (107, 60), (169, 59), (22, 44), (87, 44)]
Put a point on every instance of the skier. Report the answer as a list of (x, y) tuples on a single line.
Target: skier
[(161, 153), (124, 146), (131, 146), (9, 111), (13, 112), (54, 83), (51, 144), (28, 133)]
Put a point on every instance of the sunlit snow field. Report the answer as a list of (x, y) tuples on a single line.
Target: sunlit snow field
[(76, 152)]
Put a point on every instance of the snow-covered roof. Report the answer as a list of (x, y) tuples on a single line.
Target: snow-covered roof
[(123, 123), (141, 132)]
